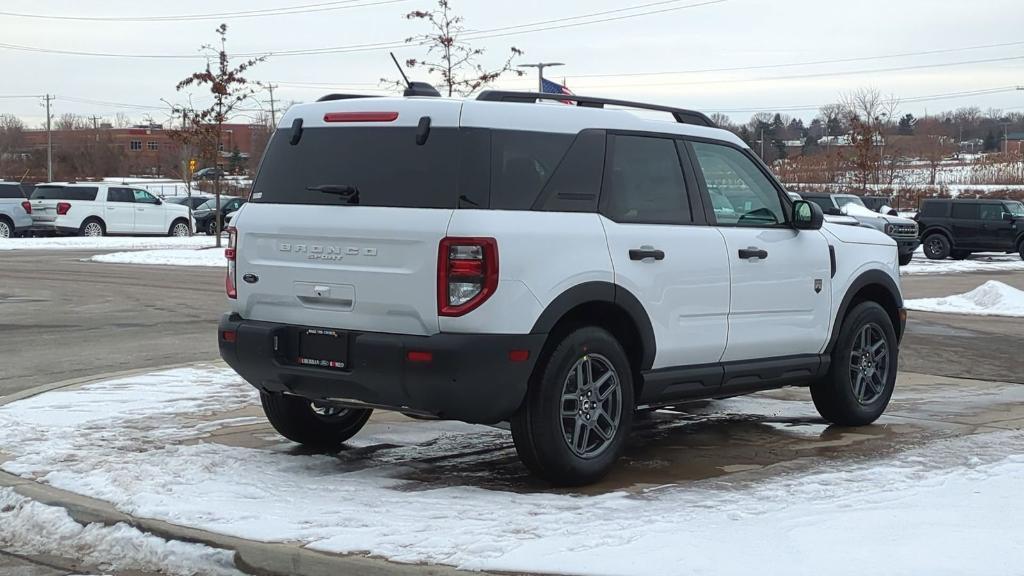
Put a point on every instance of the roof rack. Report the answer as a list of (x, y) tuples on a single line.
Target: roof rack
[(330, 97), (682, 116)]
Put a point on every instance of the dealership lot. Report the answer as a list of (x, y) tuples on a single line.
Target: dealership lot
[(172, 442)]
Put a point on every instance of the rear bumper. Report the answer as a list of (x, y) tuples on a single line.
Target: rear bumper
[(52, 227), (470, 377)]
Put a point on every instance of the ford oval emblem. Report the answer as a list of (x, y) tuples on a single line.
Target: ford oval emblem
[(251, 278)]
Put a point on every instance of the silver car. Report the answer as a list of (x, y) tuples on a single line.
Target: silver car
[(15, 210)]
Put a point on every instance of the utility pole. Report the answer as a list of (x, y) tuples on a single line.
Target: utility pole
[(540, 66), (49, 142), (273, 110)]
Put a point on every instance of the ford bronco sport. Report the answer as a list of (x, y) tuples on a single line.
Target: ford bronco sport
[(559, 267)]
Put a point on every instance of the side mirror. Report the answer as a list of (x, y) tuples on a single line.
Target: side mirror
[(893, 212), (807, 215), (158, 202), (1007, 216), (833, 211)]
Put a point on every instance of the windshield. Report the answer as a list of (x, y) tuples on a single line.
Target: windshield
[(208, 205), (1015, 208), (843, 201)]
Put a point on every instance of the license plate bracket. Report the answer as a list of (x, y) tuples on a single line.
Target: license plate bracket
[(322, 348)]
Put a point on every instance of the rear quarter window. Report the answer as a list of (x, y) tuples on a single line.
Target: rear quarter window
[(933, 209), (83, 193)]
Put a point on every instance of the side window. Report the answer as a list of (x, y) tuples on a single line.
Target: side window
[(935, 209), (644, 182), (965, 211), (576, 184), (741, 194), (521, 164), (991, 211), (120, 195), (143, 197)]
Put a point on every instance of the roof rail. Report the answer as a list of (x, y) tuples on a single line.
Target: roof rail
[(682, 116), (344, 97)]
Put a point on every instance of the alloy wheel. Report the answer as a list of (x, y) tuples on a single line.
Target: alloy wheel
[(869, 364), (591, 406), (934, 246), (93, 229), (327, 411), (5, 230), (180, 230)]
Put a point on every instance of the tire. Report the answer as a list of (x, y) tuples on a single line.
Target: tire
[(211, 228), (179, 228), (960, 254), (93, 228), (1020, 249), (553, 416), (6, 228), (295, 419), (841, 397), (906, 258), (936, 247)]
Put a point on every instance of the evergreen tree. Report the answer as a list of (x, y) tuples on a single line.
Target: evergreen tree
[(991, 142), (907, 124)]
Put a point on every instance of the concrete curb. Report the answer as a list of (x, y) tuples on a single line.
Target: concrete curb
[(258, 558)]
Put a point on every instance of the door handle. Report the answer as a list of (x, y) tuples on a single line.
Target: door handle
[(753, 252), (646, 252)]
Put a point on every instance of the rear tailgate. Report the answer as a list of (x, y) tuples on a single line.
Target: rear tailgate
[(46, 197), (346, 217)]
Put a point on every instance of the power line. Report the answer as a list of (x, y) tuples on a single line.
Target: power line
[(805, 76), (479, 35), (804, 63), (281, 11), (906, 100)]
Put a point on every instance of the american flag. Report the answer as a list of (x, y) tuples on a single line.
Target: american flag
[(549, 87)]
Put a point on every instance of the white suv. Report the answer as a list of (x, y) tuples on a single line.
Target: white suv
[(100, 208), (559, 267)]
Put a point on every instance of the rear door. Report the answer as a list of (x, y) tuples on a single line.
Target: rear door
[(119, 211), (347, 215), (966, 222), (663, 252), (780, 297)]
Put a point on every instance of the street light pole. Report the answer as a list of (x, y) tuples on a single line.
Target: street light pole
[(540, 66)]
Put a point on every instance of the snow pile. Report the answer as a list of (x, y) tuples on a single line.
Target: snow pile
[(992, 298), (209, 257), (137, 442), (28, 527), (975, 263), (106, 243)]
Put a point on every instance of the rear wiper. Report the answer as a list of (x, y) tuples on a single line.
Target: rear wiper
[(343, 190)]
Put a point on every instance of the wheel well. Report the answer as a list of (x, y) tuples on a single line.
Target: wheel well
[(179, 219), (883, 297), (8, 220), (612, 318), (95, 219), (940, 231)]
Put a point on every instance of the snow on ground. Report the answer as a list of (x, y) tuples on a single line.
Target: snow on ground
[(30, 528), (211, 257), (950, 507), (991, 262), (990, 299), (106, 243)]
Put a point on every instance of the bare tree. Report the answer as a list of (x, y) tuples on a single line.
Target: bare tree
[(451, 57), (69, 121), (12, 132), (121, 120), (203, 128)]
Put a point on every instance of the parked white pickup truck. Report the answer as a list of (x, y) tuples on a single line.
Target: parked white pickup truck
[(101, 208)]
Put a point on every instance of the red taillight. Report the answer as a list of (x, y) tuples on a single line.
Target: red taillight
[(229, 336), (63, 208), (467, 274), (417, 356), (360, 116), (230, 285), (27, 206), (518, 355)]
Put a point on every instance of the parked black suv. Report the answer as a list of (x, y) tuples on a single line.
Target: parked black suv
[(959, 227)]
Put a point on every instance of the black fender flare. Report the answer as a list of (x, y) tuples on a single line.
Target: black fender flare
[(598, 291), (868, 278), (937, 229)]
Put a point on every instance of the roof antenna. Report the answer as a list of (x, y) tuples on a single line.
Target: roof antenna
[(400, 71), (415, 88)]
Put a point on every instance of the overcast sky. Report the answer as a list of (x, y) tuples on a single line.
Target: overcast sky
[(731, 34)]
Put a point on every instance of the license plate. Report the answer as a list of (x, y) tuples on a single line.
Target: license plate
[(323, 348)]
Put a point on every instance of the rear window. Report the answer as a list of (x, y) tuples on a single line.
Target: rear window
[(385, 165), (965, 211), (65, 193), (11, 191)]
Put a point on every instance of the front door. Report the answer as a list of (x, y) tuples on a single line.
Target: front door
[(780, 298), (663, 252), (119, 211), (997, 232), (150, 214)]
